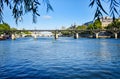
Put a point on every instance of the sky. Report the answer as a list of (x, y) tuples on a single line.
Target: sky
[(66, 13)]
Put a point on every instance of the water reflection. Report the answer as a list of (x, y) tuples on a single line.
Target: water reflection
[(104, 50)]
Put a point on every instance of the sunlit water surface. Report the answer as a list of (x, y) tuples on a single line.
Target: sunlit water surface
[(65, 58)]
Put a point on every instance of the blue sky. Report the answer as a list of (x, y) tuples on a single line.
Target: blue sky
[(66, 12)]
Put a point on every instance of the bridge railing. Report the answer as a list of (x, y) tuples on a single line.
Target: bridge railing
[(59, 30)]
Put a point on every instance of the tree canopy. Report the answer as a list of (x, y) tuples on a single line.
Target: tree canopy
[(96, 25), (4, 26), (114, 25), (21, 7), (83, 27), (90, 26), (114, 8)]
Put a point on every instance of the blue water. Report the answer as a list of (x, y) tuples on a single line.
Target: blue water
[(64, 58)]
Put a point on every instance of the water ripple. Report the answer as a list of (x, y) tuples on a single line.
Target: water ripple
[(65, 58)]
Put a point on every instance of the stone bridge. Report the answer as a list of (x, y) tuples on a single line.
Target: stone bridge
[(75, 32)]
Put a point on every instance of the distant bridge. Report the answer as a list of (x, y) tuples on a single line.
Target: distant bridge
[(73, 30), (76, 32)]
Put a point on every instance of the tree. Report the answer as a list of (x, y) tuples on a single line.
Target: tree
[(4, 27), (13, 29), (114, 25), (97, 24), (90, 27), (114, 7), (21, 7), (83, 27)]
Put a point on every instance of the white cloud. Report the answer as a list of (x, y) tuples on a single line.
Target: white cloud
[(47, 17)]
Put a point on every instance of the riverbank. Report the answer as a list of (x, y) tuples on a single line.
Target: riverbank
[(4, 37)]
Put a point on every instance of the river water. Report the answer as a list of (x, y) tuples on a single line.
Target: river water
[(64, 58)]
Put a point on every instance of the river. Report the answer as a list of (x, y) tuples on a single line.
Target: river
[(64, 58)]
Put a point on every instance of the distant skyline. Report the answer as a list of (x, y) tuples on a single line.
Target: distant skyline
[(66, 12)]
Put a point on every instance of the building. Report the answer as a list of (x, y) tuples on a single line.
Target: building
[(106, 21)]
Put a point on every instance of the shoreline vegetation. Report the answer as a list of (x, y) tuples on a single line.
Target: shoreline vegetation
[(6, 32)]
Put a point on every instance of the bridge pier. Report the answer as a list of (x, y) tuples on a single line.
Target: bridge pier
[(97, 35), (116, 35), (13, 37), (56, 36), (35, 36), (115, 32), (76, 36)]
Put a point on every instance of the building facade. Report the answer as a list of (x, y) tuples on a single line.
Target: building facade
[(106, 21)]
